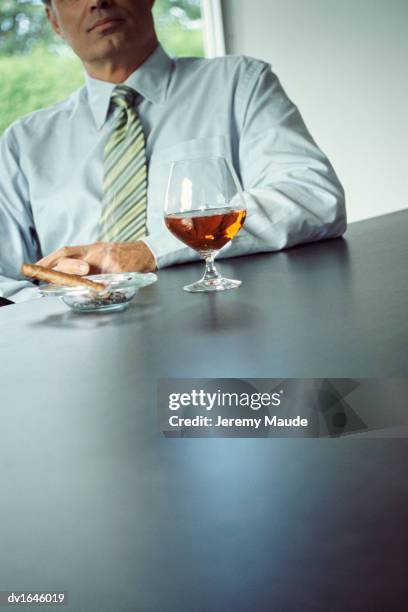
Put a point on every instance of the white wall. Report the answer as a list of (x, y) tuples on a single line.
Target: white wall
[(345, 64)]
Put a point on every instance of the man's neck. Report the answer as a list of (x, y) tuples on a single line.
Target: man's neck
[(118, 69)]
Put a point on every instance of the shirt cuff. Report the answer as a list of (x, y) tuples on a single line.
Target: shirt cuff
[(26, 293), (168, 250)]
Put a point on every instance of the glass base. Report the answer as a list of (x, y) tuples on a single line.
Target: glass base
[(213, 284), (101, 309)]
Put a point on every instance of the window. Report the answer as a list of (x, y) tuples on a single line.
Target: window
[(38, 69), (179, 26)]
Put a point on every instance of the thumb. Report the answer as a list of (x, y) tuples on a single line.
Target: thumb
[(72, 266)]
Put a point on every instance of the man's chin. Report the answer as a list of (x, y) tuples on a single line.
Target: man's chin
[(110, 46)]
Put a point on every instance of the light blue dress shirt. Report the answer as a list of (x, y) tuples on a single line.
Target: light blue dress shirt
[(51, 162)]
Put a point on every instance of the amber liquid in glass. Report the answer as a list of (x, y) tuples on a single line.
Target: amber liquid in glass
[(206, 230)]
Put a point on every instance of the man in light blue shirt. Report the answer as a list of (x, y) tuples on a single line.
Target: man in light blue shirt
[(51, 161)]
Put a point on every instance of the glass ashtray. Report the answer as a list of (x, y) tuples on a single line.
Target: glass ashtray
[(121, 288)]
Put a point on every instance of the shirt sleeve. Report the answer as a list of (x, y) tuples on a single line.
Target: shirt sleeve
[(168, 250), (18, 239), (291, 190)]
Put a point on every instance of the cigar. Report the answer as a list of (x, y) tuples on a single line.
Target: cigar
[(60, 278)]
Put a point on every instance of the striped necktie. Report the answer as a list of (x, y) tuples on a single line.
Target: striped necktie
[(124, 203)]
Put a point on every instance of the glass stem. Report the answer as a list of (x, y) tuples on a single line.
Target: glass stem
[(211, 273)]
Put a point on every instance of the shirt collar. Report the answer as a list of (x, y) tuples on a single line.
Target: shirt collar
[(150, 80)]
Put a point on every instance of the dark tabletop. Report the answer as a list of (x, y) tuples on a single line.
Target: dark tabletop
[(94, 502)]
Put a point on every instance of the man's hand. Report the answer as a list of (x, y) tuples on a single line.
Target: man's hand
[(101, 258)]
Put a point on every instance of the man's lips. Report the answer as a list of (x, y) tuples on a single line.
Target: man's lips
[(104, 22)]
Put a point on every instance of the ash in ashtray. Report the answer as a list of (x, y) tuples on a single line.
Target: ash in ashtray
[(115, 297)]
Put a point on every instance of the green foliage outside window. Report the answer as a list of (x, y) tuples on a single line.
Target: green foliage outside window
[(37, 69)]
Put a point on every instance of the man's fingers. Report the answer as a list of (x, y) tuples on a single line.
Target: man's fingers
[(49, 261), (52, 259), (73, 266), (67, 252)]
